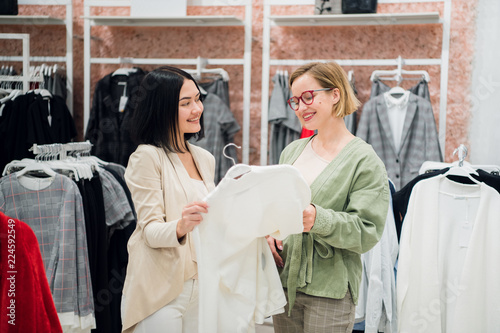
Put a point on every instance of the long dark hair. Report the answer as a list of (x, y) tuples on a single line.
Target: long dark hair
[(156, 117)]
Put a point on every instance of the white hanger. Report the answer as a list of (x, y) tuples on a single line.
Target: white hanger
[(227, 156), (43, 92), (124, 71), (16, 164), (350, 75), (396, 91), (397, 74), (461, 169), (201, 68), (36, 166)]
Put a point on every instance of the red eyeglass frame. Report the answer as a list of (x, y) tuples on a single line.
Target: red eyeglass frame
[(300, 98)]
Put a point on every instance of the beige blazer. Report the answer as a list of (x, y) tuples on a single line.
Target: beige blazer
[(158, 264)]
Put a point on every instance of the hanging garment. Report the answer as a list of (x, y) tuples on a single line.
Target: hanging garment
[(420, 89), (97, 240), (239, 282), (306, 133), (402, 197), (29, 119), (377, 291), (220, 128), (117, 267), (351, 120), (419, 139), (106, 209), (285, 126), (117, 209), (52, 207), (445, 281), (108, 128), (55, 82), (26, 302), (117, 254), (49, 121), (396, 112), (219, 87)]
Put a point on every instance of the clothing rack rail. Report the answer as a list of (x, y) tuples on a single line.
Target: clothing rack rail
[(60, 150), (40, 21)]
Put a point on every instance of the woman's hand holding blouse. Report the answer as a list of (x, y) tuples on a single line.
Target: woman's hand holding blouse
[(191, 217), (309, 215)]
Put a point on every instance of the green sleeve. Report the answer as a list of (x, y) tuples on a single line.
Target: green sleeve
[(359, 225)]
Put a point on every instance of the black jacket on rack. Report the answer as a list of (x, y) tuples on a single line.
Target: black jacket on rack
[(25, 121), (108, 129)]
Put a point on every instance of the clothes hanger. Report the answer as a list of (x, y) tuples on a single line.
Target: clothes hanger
[(201, 69), (237, 170), (397, 91), (461, 169), (227, 156), (350, 75), (36, 166), (124, 71), (397, 74)]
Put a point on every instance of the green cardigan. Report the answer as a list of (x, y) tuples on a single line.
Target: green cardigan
[(351, 197)]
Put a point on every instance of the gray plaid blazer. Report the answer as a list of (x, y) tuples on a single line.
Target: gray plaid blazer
[(419, 141)]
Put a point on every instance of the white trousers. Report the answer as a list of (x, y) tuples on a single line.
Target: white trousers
[(178, 316)]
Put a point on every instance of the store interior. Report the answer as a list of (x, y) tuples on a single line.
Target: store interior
[(242, 48)]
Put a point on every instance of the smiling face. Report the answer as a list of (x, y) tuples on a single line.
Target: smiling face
[(319, 113), (190, 108)]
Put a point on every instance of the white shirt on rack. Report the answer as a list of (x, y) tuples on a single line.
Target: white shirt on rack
[(448, 271), (396, 111)]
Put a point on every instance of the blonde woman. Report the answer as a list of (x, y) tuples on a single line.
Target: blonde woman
[(320, 269)]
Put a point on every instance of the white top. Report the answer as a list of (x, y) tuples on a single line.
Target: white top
[(377, 291), (200, 189), (239, 284), (448, 271), (310, 164), (396, 110)]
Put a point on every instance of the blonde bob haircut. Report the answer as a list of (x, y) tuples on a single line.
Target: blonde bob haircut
[(331, 75)]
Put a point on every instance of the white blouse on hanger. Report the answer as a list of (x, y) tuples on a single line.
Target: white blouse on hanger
[(448, 269)]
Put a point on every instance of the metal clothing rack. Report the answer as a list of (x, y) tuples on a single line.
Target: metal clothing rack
[(47, 20), (26, 78), (189, 20), (353, 20)]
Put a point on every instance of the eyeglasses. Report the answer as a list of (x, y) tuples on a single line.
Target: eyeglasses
[(306, 97)]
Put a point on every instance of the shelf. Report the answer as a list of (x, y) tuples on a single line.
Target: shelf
[(31, 20), (19, 78), (184, 21), (356, 19)]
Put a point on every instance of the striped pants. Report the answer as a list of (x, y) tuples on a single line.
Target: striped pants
[(311, 314)]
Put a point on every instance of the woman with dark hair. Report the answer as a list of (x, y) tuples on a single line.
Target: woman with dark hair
[(321, 268), (168, 177)]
